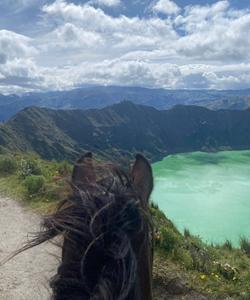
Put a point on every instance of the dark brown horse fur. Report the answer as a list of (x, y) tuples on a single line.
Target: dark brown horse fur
[(107, 247)]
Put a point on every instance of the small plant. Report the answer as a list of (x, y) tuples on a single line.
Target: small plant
[(56, 191), (154, 205), (3, 150), (64, 168), (29, 167), (183, 256), (245, 245), (227, 271), (228, 245), (34, 184), (187, 233), (200, 255), (169, 239), (7, 165)]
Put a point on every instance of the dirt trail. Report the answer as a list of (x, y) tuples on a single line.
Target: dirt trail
[(26, 276)]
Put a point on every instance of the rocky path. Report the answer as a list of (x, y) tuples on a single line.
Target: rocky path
[(26, 276)]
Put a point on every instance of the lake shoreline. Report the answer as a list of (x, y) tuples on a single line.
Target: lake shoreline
[(160, 157)]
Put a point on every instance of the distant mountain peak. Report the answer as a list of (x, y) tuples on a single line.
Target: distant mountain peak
[(102, 96)]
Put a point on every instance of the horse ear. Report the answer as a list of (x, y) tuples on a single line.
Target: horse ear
[(83, 172), (142, 176)]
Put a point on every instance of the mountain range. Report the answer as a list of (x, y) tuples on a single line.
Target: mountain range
[(102, 96), (121, 130)]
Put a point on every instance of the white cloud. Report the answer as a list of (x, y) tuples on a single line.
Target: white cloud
[(21, 68), (214, 33), (197, 47), (109, 3), (17, 67), (118, 72), (166, 75), (167, 7), (119, 35), (14, 45), (95, 19), (69, 36), (202, 28), (20, 5), (196, 17)]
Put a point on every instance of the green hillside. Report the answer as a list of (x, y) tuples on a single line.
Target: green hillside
[(123, 129)]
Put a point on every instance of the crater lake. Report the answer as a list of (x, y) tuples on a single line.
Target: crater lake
[(207, 193)]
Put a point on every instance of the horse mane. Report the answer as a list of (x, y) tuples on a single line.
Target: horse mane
[(99, 223)]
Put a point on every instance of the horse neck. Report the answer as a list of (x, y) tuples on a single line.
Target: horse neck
[(69, 271), (144, 252), (67, 284), (145, 274)]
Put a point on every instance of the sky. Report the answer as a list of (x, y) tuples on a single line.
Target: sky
[(50, 45)]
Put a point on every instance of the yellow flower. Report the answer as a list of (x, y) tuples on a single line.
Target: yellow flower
[(203, 277), (158, 237)]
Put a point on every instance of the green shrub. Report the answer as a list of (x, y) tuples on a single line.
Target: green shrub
[(243, 264), (245, 245), (154, 205), (187, 233), (3, 150), (183, 256), (34, 184), (169, 239), (248, 276), (55, 192), (228, 245), (29, 167), (227, 271), (196, 242), (64, 168), (202, 260), (7, 165)]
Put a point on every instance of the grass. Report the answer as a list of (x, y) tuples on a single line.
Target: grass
[(36, 182), (220, 271), (228, 245)]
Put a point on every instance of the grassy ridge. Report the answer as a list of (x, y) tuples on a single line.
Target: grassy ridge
[(38, 183), (124, 129), (215, 270), (183, 263)]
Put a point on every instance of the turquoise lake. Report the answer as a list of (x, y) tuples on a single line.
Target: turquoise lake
[(207, 193)]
